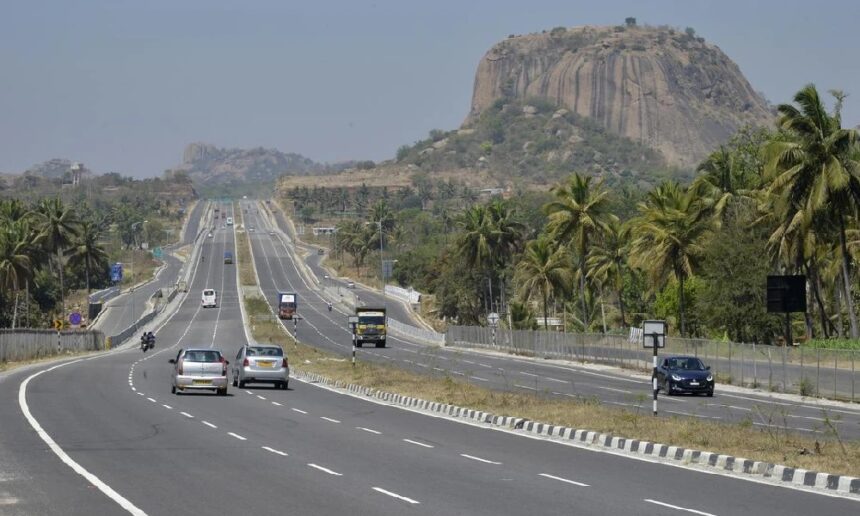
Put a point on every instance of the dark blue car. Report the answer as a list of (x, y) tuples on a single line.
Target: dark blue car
[(679, 374)]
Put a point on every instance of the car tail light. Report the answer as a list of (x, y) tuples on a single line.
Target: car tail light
[(246, 362), (179, 369), (285, 364)]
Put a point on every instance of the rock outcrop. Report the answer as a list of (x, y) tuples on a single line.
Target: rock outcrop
[(664, 88), (206, 164)]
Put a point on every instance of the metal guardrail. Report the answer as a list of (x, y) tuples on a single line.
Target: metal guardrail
[(406, 330), (810, 372), (28, 344)]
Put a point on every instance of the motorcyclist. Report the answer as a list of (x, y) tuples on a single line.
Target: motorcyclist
[(202, 258), (151, 340), (329, 306)]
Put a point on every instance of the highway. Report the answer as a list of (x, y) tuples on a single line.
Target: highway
[(123, 310), (113, 440), (278, 272)]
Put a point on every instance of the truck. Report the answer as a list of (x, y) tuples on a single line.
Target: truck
[(286, 305), (229, 221), (371, 326)]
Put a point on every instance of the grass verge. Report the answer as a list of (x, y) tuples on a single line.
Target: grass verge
[(772, 444), (9, 366), (243, 250)]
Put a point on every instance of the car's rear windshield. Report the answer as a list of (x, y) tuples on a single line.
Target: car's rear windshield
[(228, 253), (202, 356), (689, 364), (265, 352), (208, 292)]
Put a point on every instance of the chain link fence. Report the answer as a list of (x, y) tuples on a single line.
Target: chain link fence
[(19, 345), (810, 372)]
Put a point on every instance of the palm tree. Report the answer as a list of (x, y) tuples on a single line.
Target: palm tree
[(607, 261), (57, 226), (667, 237), (87, 252), (575, 217), (545, 270), (15, 264), (722, 182), (815, 169)]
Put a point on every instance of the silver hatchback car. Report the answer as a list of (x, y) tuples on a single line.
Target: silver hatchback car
[(260, 363), (199, 369)]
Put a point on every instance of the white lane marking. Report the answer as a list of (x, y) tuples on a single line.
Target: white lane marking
[(141, 394), (479, 378), (574, 482), (555, 379), (395, 495), (77, 468), (468, 361), (485, 365), (151, 399), (168, 407), (369, 430), (186, 414), (793, 428), (692, 415), (528, 374), (299, 411), (422, 365), (755, 399), (410, 441), (479, 459), (728, 406), (237, 436), (276, 403), (249, 392), (324, 470), (133, 389), (262, 398), (329, 419), (613, 389), (210, 425), (524, 387), (438, 369), (655, 502), (812, 418), (282, 454), (459, 373)]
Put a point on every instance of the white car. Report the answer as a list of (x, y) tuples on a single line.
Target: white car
[(210, 298)]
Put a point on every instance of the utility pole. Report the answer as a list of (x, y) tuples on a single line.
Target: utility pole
[(133, 245)]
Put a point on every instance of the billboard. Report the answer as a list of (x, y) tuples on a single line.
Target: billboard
[(116, 272)]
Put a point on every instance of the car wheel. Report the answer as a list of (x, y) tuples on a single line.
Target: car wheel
[(235, 381), (668, 388), (710, 393), (241, 384), (222, 392), (358, 344), (285, 385), (172, 389), (380, 344)]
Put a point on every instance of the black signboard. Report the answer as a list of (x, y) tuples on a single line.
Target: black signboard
[(786, 294)]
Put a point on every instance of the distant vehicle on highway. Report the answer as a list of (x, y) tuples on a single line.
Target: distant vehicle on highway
[(195, 369), (209, 235), (320, 251), (287, 304), (250, 229), (371, 327), (350, 284), (228, 257), (229, 221), (271, 233), (261, 364), (210, 298), (680, 374)]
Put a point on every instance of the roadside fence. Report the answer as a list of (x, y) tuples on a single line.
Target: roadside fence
[(809, 372), (408, 331), (28, 344)]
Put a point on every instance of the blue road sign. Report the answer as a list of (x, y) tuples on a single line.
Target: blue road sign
[(116, 272), (158, 253), (75, 318)]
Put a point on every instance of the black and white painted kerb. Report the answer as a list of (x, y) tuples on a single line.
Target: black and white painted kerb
[(774, 472)]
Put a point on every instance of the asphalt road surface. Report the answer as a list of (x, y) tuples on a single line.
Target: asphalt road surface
[(138, 449), (275, 259)]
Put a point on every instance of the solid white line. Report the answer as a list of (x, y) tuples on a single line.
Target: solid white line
[(756, 399), (485, 365), (186, 414), (728, 406), (417, 443), (276, 403), (574, 482), (655, 502), (77, 468), (692, 415), (210, 425), (237, 436), (168, 407), (299, 411), (275, 451), (555, 379), (325, 470), (479, 459), (395, 495), (369, 430), (329, 419), (528, 374), (479, 378)]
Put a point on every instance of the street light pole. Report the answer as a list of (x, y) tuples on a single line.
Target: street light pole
[(133, 244), (381, 264)]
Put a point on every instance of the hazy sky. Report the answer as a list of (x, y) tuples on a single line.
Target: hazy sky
[(123, 85)]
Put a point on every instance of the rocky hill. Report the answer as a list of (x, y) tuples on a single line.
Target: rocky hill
[(660, 87), (208, 165)]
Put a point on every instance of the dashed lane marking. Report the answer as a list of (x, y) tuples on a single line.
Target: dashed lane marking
[(369, 430), (237, 436), (325, 470), (278, 452), (395, 495), (678, 508), (186, 414), (565, 480), (410, 441), (210, 425), (479, 459), (329, 419), (298, 410)]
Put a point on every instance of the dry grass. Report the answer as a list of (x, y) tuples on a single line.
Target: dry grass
[(775, 445), (8, 366)]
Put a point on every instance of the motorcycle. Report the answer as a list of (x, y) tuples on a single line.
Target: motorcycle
[(147, 341), (329, 307)]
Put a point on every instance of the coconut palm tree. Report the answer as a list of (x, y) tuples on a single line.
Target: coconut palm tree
[(723, 182), (668, 236), (575, 218), (15, 264), (816, 169), (57, 228), (607, 260), (87, 252), (545, 270)]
